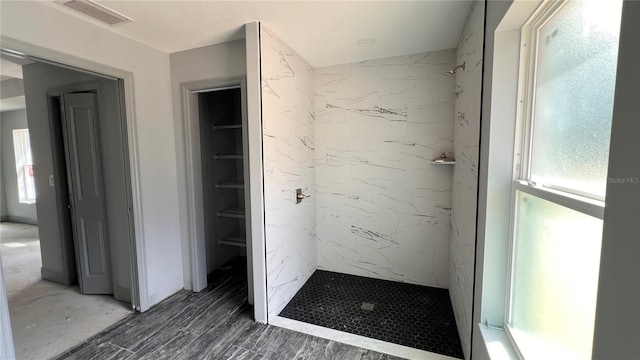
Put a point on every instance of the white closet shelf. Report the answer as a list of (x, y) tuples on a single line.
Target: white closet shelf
[(234, 240), (232, 213), (230, 185), (227, 127), (228, 156)]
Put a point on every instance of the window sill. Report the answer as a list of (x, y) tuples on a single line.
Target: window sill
[(26, 202), (497, 343)]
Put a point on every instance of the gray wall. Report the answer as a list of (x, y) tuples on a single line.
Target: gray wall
[(11, 88), (55, 239), (617, 326), (4, 212), (215, 62), (15, 211)]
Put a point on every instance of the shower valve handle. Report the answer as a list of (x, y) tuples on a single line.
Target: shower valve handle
[(300, 196)]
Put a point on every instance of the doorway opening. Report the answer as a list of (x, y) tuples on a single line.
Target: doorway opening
[(220, 115), (215, 116), (82, 268)]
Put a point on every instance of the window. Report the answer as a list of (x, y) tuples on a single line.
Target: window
[(568, 68), (24, 166)]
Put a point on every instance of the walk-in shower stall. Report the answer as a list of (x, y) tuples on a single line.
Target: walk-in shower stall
[(370, 176)]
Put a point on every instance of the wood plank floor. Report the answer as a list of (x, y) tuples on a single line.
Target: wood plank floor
[(213, 324)]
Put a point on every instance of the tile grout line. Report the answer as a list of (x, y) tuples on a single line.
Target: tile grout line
[(120, 347), (250, 351)]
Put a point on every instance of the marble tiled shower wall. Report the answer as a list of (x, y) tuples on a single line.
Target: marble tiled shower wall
[(466, 136), (383, 210), (288, 150)]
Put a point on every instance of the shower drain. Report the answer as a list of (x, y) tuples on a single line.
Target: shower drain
[(367, 306)]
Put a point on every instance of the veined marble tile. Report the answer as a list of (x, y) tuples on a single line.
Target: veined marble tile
[(289, 163), (359, 139), (466, 136), (383, 209)]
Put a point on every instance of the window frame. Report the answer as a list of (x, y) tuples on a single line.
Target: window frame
[(526, 93), (527, 83), (588, 204)]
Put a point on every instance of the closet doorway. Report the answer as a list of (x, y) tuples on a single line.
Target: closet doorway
[(217, 147)]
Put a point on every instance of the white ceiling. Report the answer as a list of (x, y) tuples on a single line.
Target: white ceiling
[(323, 32)]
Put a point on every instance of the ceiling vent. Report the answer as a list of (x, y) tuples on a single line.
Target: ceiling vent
[(97, 11)]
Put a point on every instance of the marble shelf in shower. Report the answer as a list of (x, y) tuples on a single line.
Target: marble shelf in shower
[(443, 162)]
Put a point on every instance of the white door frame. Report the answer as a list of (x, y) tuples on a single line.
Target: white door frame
[(256, 255), (194, 186), (256, 172), (139, 282), (7, 350)]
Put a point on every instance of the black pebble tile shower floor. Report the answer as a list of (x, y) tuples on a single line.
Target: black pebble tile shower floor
[(417, 316)]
